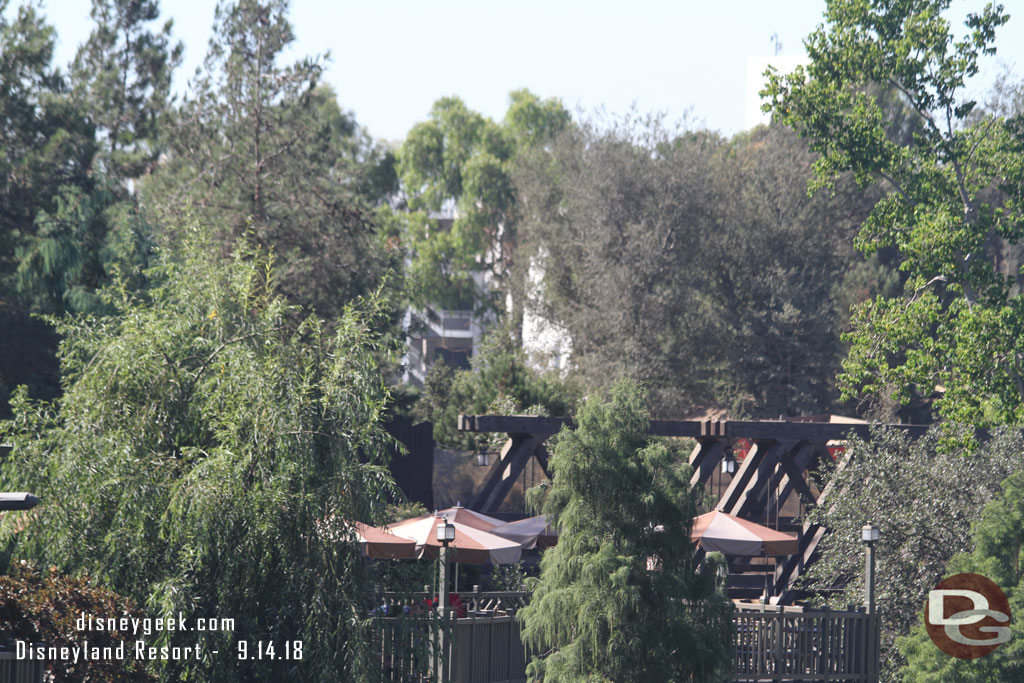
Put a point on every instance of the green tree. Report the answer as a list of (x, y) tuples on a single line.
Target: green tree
[(121, 81), (47, 264), (954, 195), (42, 607), (206, 456), (892, 481), (261, 149), (462, 160), (997, 540), (499, 382), (619, 598), (693, 264)]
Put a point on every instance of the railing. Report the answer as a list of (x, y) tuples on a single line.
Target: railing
[(13, 670), (483, 645), (480, 633), (796, 645)]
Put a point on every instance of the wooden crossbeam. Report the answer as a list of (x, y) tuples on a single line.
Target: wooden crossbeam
[(694, 429), (781, 453)]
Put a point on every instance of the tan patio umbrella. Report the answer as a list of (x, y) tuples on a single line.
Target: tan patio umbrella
[(532, 532), (477, 520), (470, 545), (731, 535), (379, 544)]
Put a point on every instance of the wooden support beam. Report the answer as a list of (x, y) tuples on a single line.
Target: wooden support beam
[(749, 429), (753, 488), (742, 478), (786, 478), (704, 460), (810, 537), (541, 454), (502, 477), (789, 569), (793, 475)]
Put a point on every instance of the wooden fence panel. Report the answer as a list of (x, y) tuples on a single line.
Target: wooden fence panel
[(805, 646), (485, 646)]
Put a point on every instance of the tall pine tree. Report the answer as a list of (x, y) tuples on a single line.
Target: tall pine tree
[(260, 149)]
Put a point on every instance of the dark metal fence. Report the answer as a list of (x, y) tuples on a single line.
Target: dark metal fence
[(482, 642)]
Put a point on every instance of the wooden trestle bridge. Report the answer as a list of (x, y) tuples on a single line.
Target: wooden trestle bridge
[(773, 477)]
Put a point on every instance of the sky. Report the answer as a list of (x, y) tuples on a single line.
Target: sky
[(391, 59)]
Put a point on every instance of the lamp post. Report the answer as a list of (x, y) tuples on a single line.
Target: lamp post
[(445, 535), (869, 533)]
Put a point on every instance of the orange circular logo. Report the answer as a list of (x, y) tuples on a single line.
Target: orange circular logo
[(967, 616)]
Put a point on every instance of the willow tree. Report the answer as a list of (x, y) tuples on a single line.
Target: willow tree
[(619, 598), (205, 457)]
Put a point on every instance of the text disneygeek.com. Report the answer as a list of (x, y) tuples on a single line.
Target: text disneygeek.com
[(138, 647)]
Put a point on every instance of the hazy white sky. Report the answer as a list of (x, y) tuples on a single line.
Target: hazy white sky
[(390, 59)]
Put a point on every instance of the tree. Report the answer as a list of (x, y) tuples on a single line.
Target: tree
[(121, 80), (211, 445), (71, 148), (499, 382), (463, 160), (691, 263), (954, 194), (996, 538), (263, 150), (42, 607), (893, 481), (47, 264), (619, 597)]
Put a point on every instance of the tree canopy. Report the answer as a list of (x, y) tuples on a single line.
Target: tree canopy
[(892, 481), (954, 196), (262, 150), (997, 538), (693, 264), (461, 161), (619, 598), (206, 457)]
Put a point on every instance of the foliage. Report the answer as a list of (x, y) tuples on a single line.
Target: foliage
[(499, 382), (121, 82), (42, 607), (262, 150), (508, 577), (954, 196), (996, 538), (69, 148), (461, 159), (693, 264), (205, 454), (896, 483), (599, 612), (397, 512)]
